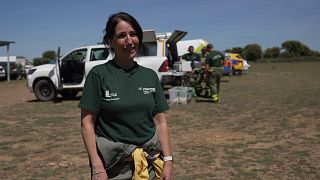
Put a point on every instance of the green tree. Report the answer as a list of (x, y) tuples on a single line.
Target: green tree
[(49, 55), (37, 61), (46, 57), (237, 50), (228, 50), (296, 48), (316, 53), (273, 52), (252, 52), (285, 54)]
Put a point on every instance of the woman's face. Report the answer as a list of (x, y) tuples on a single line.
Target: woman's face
[(125, 41)]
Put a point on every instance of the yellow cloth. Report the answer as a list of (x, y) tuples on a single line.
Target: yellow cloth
[(141, 165)]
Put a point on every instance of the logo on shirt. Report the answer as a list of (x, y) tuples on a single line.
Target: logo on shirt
[(110, 96), (217, 57), (147, 90)]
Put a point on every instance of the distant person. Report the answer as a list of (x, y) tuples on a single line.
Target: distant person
[(214, 66), (21, 74), (123, 121), (191, 56), (203, 55)]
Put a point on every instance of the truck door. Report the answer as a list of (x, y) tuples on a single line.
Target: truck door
[(58, 69), (72, 67), (172, 46)]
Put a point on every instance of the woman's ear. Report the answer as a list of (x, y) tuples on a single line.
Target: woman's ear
[(109, 43)]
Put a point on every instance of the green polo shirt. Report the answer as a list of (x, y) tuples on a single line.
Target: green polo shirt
[(215, 59), (191, 57), (125, 102)]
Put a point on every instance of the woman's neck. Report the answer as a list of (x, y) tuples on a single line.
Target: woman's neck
[(124, 63)]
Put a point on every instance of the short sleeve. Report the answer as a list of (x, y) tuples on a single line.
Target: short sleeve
[(91, 95), (184, 57), (222, 55), (161, 104), (198, 56), (207, 59)]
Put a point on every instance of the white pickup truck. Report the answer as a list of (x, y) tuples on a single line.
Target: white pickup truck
[(67, 75)]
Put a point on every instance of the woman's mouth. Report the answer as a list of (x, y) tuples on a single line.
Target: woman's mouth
[(129, 47)]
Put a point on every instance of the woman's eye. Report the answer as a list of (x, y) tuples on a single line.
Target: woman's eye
[(121, 36), (133, 34), (124, 35)]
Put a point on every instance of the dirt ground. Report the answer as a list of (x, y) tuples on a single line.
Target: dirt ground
[(265, 126)]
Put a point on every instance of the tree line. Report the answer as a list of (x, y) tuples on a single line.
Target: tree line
[(251, 52), (47, 56), (289, 49)]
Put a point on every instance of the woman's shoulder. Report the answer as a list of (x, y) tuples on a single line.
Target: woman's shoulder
[(100, 70), (100, 67), (148, 73), (147, 70)]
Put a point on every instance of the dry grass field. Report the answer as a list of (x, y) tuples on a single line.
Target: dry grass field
[(266, 126)]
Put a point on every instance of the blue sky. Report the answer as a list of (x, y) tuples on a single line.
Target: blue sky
[(40, 25)]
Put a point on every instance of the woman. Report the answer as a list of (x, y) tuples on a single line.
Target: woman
[(123, 121)]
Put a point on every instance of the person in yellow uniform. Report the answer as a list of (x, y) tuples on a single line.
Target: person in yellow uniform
[(214, 65)]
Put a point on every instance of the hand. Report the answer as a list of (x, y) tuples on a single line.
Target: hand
[(167, 173)]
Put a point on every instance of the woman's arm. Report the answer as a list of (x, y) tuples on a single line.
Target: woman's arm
[(160, 121), (88, 120)]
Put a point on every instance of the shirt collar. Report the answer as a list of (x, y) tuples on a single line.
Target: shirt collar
[(134, 67)]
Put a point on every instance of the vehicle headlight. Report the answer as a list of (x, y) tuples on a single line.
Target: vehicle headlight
[(31, 71)]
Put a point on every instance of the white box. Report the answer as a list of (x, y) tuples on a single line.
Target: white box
[(182, 66), (180, 95), (177, 66), (186, 66)]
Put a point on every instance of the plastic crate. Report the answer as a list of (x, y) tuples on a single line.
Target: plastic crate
[(182, 66), (180, 95)]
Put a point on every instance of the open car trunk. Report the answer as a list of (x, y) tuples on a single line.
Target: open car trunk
[(172, 46)]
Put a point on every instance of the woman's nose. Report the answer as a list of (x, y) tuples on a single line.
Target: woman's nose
[(128, 39)]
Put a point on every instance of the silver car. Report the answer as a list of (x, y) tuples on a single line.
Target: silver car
[(2, 72)]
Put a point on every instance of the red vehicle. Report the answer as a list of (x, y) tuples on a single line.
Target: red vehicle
[(227, 67)]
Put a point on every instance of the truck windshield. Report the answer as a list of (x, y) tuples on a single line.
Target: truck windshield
[(78, 55), (148, 49), (99, 54)]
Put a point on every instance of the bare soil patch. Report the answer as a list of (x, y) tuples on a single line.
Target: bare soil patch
[(266, 126), (14, 92)]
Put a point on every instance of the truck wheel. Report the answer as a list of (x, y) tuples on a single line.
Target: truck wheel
[(44, 90)]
